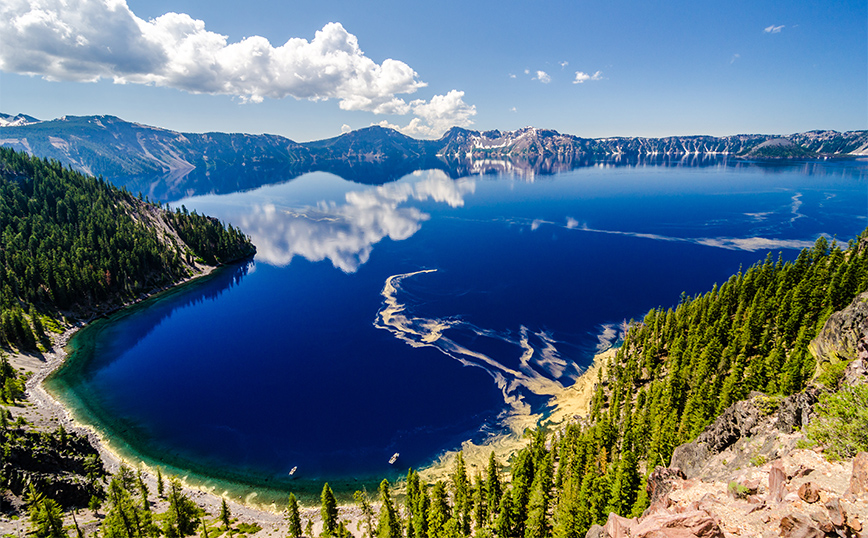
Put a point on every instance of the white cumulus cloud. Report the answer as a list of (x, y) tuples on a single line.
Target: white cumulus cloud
[(436, 116), (582, 77), (773, 29), (89, 40), (543, 77)]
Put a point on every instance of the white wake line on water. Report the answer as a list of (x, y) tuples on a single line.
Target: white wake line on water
[(750, 244), (429, 332)]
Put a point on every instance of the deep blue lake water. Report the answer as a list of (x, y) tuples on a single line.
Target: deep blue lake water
[(411, 316)]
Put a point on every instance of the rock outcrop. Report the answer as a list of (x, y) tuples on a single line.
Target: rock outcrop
[(800, 494), (758, 429), (844, 338), (745, 475)]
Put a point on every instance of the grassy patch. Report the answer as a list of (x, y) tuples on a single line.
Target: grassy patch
[(248, 528)]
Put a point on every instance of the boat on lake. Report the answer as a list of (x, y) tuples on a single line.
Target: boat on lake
[(394, 458)]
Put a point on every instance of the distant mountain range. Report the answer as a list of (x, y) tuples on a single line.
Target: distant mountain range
[(114, 148)]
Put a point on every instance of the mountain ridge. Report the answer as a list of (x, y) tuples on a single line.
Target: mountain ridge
[(78, 141)]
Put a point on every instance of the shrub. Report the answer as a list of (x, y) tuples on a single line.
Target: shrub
[(767, 404), (737, 490), (831, 373), (758, 461), (842, 422)]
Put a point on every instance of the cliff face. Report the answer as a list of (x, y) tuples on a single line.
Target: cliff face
[(844, 337)]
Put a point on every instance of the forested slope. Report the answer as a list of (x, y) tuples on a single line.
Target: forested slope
[(75, 244)]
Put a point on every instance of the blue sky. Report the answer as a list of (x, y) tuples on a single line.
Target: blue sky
[(589, 68)]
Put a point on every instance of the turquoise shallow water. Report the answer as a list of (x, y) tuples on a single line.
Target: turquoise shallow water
[(414, 315)]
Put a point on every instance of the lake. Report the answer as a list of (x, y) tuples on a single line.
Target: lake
[(410, 316)]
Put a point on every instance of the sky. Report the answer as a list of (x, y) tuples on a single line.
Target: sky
[(310, 70)]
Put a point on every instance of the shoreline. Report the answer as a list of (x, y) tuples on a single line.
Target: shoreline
[(42, 410), (569, 404)]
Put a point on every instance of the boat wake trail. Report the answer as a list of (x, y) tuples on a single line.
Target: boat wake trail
[(529, 366)]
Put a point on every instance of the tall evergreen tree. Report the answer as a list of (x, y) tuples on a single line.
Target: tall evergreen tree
[(389, 524), (182, 514), (293, 519), (538, 524), (504, 525), (493, 487), (461, 495), (438, 513), (417, 504), (328, 512)]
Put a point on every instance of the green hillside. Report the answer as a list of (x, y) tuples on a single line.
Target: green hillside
[(74, 245)]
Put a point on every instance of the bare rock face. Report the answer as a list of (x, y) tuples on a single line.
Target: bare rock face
[(691, 523), (741, 419), (662, 523), (660, 484), (691, 457), (857, 371), (795, 411), (619, 527), (844, 335), (859, 478), (777, 482)]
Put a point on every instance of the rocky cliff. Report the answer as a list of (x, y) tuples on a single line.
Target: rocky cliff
[(753, 472)]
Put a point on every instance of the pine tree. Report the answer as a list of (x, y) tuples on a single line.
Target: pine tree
[(438, 513), (566, 517), (537, 524), (503, 524), (159, 482), (389, 524), (493, 487), (522, 479), (328, 511), (47, 519), (417, 504), (308, 528), (364, 502), (461, 495), (182, 514), (480, 504), (292, 517), (143, 489)]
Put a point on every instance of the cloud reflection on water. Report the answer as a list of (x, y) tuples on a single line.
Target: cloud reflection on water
[(346, 233)]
